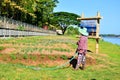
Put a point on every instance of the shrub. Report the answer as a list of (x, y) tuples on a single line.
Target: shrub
[(21, 28), (72, 31)]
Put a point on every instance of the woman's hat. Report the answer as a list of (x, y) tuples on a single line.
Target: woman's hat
[(83, 31)]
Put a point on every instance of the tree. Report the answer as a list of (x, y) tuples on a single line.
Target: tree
[(31, 11), (64, 19), (43, 10), (16, 9), (5, 8)]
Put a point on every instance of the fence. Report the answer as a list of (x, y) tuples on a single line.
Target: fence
[(17, 33), (10, 27)]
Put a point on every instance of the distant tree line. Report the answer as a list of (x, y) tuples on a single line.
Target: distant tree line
[(110, 35)]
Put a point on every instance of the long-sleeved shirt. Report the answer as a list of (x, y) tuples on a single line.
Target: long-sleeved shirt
[(82, 43)]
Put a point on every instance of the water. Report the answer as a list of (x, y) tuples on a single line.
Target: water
[(114, 40)]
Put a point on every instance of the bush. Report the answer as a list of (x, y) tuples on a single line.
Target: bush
[(21, 28), (72, 31)]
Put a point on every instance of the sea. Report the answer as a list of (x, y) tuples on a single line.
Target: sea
[(113, 40)]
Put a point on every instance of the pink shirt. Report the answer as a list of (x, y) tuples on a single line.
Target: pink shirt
[(82, 43)]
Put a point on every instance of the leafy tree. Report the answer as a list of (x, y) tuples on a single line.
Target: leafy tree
[(43, 10), (64, 19), (31, 11), (5, 8), (14, 9)]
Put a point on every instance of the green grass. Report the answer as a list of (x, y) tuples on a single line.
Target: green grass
[(13, 57), (64, 57), (1, 48), (9, 72), (107, 65)]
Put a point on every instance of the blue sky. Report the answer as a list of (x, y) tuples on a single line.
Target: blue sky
[(109, 10)]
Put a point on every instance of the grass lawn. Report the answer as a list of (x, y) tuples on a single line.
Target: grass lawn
[(105, 67)]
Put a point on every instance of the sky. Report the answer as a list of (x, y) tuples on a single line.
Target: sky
[(109, 10)]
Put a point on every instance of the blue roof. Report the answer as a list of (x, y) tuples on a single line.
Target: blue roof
[(90, 25)]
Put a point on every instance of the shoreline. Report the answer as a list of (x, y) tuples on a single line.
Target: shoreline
[(113, 40)]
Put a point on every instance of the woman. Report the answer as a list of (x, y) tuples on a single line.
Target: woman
[(82, 47)]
